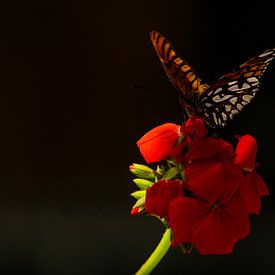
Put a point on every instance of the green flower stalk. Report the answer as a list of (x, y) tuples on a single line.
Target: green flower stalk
[(157, 254)]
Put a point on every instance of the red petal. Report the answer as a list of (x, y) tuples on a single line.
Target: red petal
[(202, 148), (223, 227), (185, 214), (226, 150), (246, 152), (159, 196), (252, 188), (209, 179), (236, 208), (195, 127), (158, 143), (205, 178)]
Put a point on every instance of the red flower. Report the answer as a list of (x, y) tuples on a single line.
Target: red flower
[(158, 143), (253, 186), (211, 207), (215, 217), (213, 228), (159, 196)]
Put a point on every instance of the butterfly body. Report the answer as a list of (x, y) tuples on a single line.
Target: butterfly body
[(217, 103)]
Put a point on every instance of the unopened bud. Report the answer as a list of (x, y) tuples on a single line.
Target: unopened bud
[(142, 171), (140, 202), (134, 211), (142, 184), (138, 194)]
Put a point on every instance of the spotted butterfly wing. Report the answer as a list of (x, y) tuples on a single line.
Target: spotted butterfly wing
[(227, 98), (217, 103), (182, 76)]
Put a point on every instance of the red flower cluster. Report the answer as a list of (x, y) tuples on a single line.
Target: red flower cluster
[(210, 207)]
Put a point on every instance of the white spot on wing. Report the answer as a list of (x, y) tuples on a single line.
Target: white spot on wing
[(246, 86), (219, 99), (215, 118), (232, 82), (264, 54), (224, 117), (233, 88), (252, 79), (218, 90), (268, 60), (239, 107), (208, 104), (233, 100), (247, 98), (228, 108)]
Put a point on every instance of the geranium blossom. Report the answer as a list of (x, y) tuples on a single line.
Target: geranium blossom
[(215, 216), (213, 228), (212, 190), (158, 143)]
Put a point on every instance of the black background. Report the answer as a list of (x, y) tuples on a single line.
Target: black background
[(69, 122)]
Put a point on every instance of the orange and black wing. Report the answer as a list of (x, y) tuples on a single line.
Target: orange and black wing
[(227, 97), (183, 77)]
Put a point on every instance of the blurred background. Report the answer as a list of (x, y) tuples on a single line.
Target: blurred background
[(69, 122)]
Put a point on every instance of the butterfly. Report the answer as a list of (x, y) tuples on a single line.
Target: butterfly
[(218, 103)]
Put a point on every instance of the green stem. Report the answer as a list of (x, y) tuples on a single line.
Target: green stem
[(157, 254)]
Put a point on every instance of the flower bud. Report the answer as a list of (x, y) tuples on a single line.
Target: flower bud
[(138, 194), (142, 184), (245, 155), (157, 144), (142, 171), (140, 202), (135, 211)]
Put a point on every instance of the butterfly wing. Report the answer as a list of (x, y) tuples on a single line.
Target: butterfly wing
[(180, 73), (226, 98)]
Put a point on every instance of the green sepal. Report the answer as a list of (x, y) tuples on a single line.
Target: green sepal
[(143, 184), (138, 194), (161, 170), (171, 173), (172, 162), (186, 248), (140, 202)]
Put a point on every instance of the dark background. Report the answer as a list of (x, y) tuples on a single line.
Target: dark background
[(69, 122)]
